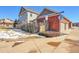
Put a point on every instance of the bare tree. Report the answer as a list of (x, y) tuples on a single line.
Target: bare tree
[(15, 23)]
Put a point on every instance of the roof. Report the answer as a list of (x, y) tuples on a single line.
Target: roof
[(28, 10), (48, 11), (44, 12), (67, 19)]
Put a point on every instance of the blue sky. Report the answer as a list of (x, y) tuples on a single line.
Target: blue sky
[(71, 12)]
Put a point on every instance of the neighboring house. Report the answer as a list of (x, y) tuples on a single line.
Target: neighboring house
[(76, 24), (26, 19), (6, 23), (50, 20)]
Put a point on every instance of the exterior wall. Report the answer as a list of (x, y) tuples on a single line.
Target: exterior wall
[(53, 23), (31, 23), (70, 25), (33, 27), (31, 16)]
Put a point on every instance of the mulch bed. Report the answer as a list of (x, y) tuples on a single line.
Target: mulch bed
[(51, 34)]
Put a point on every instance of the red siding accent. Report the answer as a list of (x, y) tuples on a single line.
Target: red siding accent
[(53, 23)]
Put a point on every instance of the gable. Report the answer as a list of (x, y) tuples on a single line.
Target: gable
[(64, 21), (67, 19), (22, 11), (46, 11)]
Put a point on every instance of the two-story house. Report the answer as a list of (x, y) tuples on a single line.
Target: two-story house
[(26, 19)]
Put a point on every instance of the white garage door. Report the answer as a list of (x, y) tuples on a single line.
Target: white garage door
[(66, 26), (63, 27)]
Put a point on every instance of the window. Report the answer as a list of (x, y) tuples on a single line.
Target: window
[(31, 15)]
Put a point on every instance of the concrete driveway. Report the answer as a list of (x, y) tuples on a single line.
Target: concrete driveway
[(70, 44)]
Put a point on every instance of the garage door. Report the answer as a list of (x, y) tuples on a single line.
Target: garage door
[(66, 26), (62, 27)]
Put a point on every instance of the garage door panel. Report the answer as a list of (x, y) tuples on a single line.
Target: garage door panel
[(63, 27)]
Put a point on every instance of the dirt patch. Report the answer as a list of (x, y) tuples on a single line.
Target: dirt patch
[(51, 34), (16, 43), (69, 40), (73, 45), (76, 42), (54, 43)]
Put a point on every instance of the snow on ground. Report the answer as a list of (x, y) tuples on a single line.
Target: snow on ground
[(17, 34), (14, 34)]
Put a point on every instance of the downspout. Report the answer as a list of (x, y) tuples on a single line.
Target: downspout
[(46, 24), (59, 23)]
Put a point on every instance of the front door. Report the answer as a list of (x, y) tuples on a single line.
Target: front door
[(42, 27)]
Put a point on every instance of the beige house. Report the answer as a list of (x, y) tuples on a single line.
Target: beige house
[(6, 23)]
